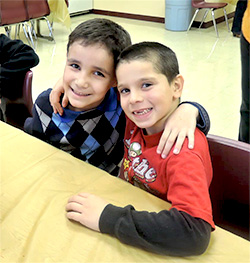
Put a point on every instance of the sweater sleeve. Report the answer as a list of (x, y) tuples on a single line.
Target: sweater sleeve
[(172, 232), (203, 120)]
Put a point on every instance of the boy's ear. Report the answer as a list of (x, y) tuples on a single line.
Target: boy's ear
[(114, 83), (178, 83)]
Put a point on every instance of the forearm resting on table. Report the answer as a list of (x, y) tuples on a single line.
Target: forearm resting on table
[(170, 232)]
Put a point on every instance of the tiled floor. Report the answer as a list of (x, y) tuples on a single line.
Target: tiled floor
[(210, 65)]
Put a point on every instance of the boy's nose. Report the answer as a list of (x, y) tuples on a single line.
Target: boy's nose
[(135, 96), (82, 82)]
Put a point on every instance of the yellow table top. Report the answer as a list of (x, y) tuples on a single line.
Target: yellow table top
[(36, 182)]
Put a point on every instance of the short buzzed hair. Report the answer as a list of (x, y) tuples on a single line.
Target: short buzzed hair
[(162, 57)]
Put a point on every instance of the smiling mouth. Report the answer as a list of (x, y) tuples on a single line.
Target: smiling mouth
[(142, 112), (81, 94)]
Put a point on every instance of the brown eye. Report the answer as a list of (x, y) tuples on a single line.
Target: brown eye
[(146, 85), (75, 66), (124, 91), (98, 73)]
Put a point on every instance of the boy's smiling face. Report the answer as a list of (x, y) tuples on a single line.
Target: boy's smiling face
[(147, 97), (88, 75)]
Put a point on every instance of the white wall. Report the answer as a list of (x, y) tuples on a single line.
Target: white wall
[(139, 7), (149, 7)]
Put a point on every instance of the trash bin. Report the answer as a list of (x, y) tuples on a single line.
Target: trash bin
[(178, 14)]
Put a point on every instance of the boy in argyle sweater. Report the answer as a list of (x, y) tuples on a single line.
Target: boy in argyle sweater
[(92, 125)]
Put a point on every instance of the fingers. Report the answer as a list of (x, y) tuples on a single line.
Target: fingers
[(179, 142), (74, 207), (55, 95), (191, 139), (169, 138), (57, 108), (166, 142), (86, 208), (74, 216), (65, 100), (163, 141), (174, 137), (79, 198), (51, 99)]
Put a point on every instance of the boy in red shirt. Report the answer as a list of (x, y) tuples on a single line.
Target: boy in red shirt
[(150, 88)]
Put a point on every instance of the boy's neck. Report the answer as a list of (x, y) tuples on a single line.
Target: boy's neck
[(70, 107)]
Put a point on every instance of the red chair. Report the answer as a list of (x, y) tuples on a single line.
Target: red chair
[(201, 4), (17, 111), (14, 12), (37, 10), (27, 91), (229, 189)]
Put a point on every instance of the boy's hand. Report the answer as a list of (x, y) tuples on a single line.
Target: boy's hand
[(180, 124), (86, 209), (55, 95)]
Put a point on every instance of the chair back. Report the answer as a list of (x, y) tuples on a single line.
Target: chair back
[(27, 91), (37, 8), (17, 111), (229, 189), (197, 3), (12, 12)]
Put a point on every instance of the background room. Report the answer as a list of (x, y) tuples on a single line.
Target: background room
[(210, 64)]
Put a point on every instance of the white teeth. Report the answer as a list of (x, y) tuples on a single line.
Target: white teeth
[(141, 112), (80, 93)]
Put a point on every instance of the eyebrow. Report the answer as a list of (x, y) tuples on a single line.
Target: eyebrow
[(139, 80), (148, 79), (120, 86), (72, 60)]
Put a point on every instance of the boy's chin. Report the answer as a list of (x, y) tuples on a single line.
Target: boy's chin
[(75, 107), (140, 125)]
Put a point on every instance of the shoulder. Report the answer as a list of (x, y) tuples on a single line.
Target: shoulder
[(43, 100), (201, 144), (200, 150)]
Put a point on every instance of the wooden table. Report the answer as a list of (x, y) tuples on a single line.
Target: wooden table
[(36, 182)]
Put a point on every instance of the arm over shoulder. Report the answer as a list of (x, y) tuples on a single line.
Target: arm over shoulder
[(203, 120)]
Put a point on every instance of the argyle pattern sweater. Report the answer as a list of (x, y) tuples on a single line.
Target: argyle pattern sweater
[(95, 136)]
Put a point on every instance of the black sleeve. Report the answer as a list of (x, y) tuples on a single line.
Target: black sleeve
[(15, 55), (203, 121), (16, 58), (170, 232)]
